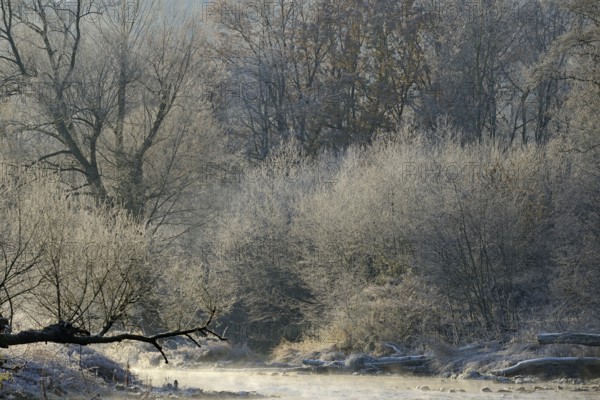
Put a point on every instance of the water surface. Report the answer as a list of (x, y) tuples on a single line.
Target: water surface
[(294, 385)]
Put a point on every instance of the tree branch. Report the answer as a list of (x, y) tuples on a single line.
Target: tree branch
[(65, 333)]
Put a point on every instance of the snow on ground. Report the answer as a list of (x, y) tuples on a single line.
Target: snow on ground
[(53, 371), (56, 372)]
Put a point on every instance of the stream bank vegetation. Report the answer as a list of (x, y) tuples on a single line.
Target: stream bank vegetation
[(303, 175)]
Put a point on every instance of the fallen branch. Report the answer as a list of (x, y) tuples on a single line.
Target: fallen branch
[(548, 362), (314, 363), (64, 333), (405, 361), (394, 347), (367, 363), (586, 339)]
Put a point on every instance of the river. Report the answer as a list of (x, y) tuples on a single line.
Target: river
[(293, 385)]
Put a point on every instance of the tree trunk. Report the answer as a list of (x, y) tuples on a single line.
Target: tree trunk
[(66, 333), (586, 339), (548, 363)]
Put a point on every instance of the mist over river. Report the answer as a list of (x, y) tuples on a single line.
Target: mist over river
[(274, 383)]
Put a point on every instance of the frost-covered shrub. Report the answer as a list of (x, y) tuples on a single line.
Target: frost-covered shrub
[(404, 239), (67, 259)]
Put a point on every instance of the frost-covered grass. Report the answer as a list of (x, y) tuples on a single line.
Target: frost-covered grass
[(52, 371), (293, 353), (49, 371)]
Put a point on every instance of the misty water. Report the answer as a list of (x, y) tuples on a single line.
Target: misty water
[(293, 385)]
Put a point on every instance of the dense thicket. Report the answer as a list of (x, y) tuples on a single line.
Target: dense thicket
[(360, 172)]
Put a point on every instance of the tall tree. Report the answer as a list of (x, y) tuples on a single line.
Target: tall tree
[(330, 74), (112, 93), (480, 66), (377, 65)]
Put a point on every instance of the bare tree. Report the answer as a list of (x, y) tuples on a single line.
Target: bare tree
[(329, 74), (376, 66), (115, 96), (479, 79)]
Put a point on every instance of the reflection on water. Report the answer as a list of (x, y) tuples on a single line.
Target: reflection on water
[(294, 385)]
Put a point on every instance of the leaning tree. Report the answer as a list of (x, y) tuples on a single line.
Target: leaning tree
[(73, 272)]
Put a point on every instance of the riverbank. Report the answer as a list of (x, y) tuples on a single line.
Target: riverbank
[(74, 372), (474, 361)]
